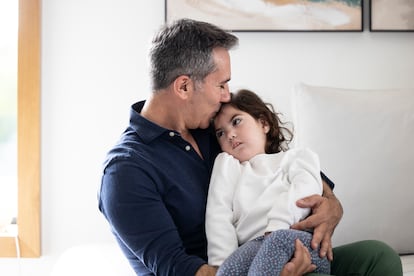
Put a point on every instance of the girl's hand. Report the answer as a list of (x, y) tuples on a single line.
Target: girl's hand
[(300, 263)]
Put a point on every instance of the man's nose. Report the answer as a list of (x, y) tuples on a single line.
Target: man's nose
[(225, 95)]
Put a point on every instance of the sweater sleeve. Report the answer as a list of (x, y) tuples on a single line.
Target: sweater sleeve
[(220, 231), (301, 177)]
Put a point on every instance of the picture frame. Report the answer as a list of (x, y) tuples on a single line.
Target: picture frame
[(272, 15), (391, 16)]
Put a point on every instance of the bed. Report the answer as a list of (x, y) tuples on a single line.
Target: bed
[(365, 142), (364, 139)]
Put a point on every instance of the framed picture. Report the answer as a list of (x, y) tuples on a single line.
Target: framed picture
[(271, 15), (395, 15)]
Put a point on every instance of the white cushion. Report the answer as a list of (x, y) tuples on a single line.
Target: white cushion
[(408, 265), (103, 259), (365, 140)]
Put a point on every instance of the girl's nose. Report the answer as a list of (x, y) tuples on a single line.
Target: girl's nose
[(231, 136)]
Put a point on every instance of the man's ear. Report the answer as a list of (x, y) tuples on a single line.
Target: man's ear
[(183, 86)]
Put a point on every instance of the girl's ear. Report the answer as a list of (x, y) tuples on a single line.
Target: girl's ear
[(265, 125)]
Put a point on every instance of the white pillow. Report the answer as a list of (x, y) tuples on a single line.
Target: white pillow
[(365, 140), (103, 259)]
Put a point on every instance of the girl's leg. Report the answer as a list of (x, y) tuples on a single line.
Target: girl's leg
[(278, 248), (239, 262)]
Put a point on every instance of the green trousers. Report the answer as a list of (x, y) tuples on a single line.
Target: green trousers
[(365, 258)]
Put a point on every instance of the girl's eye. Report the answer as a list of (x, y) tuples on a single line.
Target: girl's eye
[(236, 121), (219, 133)]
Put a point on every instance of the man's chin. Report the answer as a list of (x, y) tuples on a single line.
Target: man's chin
[(206, 124)]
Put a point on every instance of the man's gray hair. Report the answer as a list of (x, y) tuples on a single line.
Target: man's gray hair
[(185, 48)]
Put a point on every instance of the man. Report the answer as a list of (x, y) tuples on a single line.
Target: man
[(155, 181)]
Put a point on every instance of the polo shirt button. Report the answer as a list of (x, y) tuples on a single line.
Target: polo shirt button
[(172, 133), (187, 148)]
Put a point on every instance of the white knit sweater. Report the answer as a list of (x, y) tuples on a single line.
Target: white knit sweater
[(247, 199)]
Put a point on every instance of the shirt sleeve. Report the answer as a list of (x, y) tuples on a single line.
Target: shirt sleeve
[(220, 231), (328, 180), (301, 177), (139, 219)]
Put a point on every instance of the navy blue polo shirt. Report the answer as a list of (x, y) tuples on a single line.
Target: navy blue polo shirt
[(153, 194)]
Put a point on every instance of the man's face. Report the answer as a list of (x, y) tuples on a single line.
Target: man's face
[(209, 94)]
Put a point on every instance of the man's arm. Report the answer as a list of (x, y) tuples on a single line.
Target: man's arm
[(128, 194), (326, 213)]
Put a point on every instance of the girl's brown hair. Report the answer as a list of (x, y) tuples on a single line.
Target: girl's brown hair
[(279, 136)]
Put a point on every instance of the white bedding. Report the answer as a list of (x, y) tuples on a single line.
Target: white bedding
[(364, 139), (408, 265), (106, 259)]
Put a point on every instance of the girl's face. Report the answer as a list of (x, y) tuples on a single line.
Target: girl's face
[(239, 134)]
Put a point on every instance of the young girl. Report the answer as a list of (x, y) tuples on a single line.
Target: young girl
[(253, 191)]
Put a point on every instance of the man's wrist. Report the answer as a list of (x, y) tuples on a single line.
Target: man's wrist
[(336, 206), (327, 191)]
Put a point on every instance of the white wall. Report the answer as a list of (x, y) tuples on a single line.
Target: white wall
[(94, 66)]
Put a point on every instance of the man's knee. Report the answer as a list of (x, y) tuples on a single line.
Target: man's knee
[(385, 257), (369, 257)]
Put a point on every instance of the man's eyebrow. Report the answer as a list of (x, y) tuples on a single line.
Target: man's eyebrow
[(225, 81)]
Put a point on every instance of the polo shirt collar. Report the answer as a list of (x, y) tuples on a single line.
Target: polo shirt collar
[(147, 130)]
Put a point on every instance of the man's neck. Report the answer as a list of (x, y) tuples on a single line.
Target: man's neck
[(164, 111)]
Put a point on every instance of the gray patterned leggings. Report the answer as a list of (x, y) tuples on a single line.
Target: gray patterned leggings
[(268, 255)]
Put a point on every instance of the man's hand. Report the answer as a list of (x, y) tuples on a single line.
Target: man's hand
[(300, 263), (206, 270), (326, 213)]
